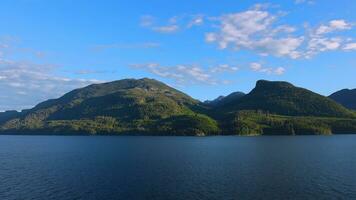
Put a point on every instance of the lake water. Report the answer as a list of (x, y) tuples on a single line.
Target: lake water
[(276, 167)]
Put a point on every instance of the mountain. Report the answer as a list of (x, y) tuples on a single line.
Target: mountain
[(345, 97), (222, 100), (128, 99), (149, 107), (127, 105), (7, 115), (286, 99)]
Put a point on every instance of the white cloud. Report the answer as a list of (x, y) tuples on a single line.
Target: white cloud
[(173, 24), (304, 1), (258, 67), (350, 46), (320, 44), (224, 68), (149, 22), (196, 21), (194, 74), (93, 71), (333, 25), (279, 70), (166, 29), (255, 30), (322, 38), (3, 47), (26, 84), (144, 45), (189, 74), (259, 31), (181, 74)]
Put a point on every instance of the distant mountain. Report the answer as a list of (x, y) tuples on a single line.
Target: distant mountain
[(345, 97), (5, 116), (285, 99), (149, 107), (222, 100)]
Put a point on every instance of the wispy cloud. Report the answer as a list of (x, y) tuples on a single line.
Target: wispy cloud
[(258, 67), (23, 84), (7, 47), (148, 21), (304, 1), (173, 24), (350, 46), (197, 20), (26, 84), (195, 74), (166, 29), (144, 45), (188, 74), (223, 68), (333, 25), (92, 71)]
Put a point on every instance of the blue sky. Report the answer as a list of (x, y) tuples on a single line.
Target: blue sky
[(204, 48)]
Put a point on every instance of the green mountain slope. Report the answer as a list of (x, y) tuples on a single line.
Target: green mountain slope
[(285, 99), (127, 105), (149, 107), (249, 122), (345, 97), (127, 99)]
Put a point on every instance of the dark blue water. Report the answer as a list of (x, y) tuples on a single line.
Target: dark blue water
[(55, 167)]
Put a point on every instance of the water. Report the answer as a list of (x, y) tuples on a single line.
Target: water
[(60, 167)]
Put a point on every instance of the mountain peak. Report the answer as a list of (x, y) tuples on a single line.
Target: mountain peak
[(286, 99), (272, 84)]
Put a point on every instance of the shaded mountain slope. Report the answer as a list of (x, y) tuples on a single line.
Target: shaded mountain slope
[(223, 100), (5, 116), (345, 97), (286, 99)]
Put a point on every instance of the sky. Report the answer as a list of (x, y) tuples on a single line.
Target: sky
[(203, 48)]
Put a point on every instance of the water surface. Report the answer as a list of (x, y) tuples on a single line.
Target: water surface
[(83, 167)]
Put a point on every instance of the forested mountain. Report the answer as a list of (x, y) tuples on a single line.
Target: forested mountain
[(345, 97), (285, 99), (223, 100), (129, 105), (149, 107)]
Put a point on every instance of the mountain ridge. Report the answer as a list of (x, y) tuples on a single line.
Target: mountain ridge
[(149, 107), (284, 98), (346, 97), (225, 99)]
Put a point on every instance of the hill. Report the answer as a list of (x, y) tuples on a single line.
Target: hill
[(345, 97), (286, 99), (127, 105), (7, 115), (149, 107), (223, 100)]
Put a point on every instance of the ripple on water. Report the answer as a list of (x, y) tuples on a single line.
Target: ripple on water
[(67, 168)]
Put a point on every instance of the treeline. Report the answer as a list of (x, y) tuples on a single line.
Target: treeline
[(238, 123), (264, 123)]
